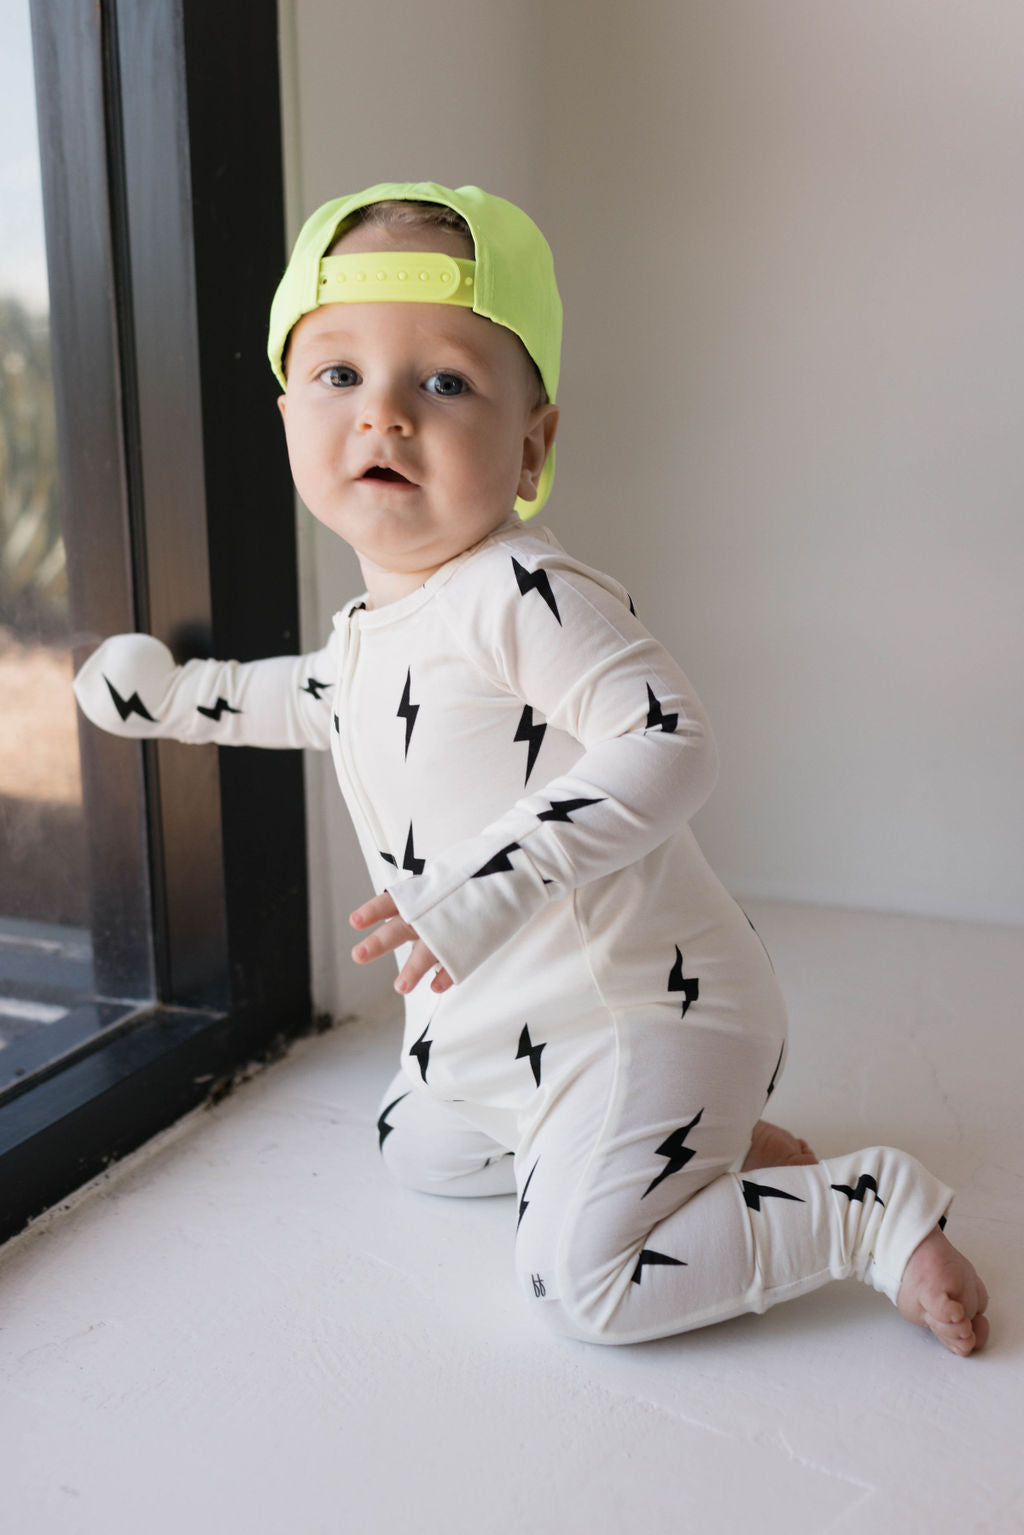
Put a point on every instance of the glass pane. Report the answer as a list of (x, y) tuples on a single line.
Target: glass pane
[(45, 952)]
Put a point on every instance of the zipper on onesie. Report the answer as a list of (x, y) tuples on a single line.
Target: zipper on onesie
[(344, 759)]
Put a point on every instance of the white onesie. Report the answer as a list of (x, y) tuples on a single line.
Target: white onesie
[(521, 760)]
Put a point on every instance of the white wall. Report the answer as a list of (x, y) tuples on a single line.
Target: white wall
[(790, 239), (811, 397)]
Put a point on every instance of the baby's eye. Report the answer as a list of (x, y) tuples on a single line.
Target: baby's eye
[(339, 376), (446, 384)]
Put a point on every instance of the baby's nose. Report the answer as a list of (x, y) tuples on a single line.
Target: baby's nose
[(385, 410)]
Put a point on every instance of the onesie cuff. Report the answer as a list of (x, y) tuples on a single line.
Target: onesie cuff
[(463, 922), (922, 1202)]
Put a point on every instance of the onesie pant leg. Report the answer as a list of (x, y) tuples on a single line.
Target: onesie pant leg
[(644, 1232), (426, 1146)]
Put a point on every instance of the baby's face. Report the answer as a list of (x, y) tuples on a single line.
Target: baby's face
[(411, 427)]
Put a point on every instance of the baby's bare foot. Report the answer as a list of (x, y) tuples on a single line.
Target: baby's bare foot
[(771, 1146), (941, 1290)]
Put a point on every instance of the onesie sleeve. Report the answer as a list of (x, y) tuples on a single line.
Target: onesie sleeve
[(564, 640), (131, 686)]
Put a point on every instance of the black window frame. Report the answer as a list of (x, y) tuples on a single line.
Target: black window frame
[(160, 143)]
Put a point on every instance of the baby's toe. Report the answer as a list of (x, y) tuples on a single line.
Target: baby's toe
[(958, 1338), (945, 1309), (953, 1327)]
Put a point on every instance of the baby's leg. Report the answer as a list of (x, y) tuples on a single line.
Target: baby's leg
[(631, 1226), (940, 1288), (426, 1146)]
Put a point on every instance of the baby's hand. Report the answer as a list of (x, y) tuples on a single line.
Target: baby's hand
[(391, 936)]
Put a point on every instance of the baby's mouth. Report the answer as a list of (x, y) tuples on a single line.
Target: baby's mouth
[(381, 472)]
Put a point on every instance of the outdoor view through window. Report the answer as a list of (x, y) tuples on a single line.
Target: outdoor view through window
[(44, 940)]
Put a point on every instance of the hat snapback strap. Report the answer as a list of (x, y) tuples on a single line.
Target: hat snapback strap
[(417, 277)]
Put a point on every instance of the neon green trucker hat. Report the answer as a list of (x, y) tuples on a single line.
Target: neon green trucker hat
[(511, 280)]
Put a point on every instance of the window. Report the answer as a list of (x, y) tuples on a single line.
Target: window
[(45, 949), (161, 173)]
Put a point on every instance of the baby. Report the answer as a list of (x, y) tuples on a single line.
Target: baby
[(591, 1022)]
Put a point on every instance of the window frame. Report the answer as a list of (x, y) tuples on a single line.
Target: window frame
[(160, 144)]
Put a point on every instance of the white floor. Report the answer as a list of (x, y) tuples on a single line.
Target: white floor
[(247, 1328)]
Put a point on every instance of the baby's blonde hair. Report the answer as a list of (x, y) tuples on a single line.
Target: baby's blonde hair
[(402, 215)]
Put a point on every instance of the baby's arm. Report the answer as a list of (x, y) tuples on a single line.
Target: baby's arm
[(131, 686), (563, 641)]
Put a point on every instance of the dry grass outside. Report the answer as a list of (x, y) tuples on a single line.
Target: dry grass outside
[(38, 724)]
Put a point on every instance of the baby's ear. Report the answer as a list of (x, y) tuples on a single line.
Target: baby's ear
[(537, 443)]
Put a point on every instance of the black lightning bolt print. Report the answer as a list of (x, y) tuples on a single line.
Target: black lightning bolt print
[(220, 707), (383, 1128), (126, 706), (678, 1154), (864, 1183), (421, 1050), (656, 719), (536, 581), (337, 724), (775, 1074), (533, 734), (528, 1048), (564, 809), (524, 1203), (408, 711), (688, 985), (314, 688), (649, 1256), (500, 863), (753, 1193), (632, 609), (410, 862)]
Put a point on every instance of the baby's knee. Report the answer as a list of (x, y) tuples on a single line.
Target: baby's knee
[(420, 1162), (407, 1165), (579, 1310), (581, 1323), (449, 1165)]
